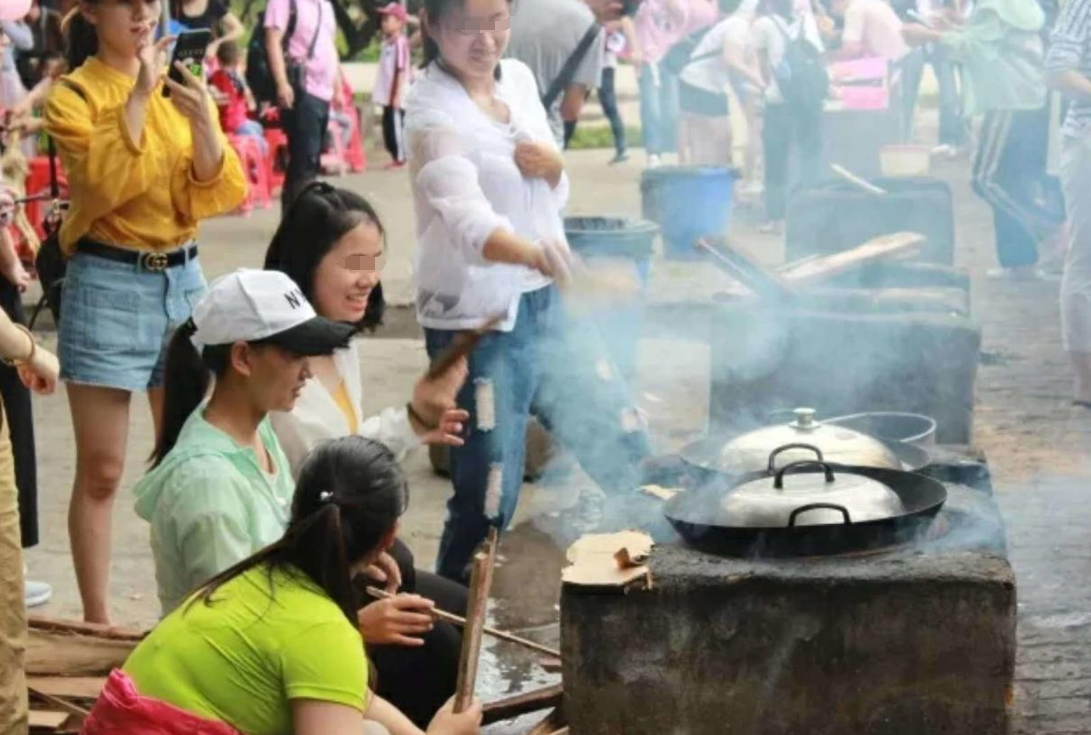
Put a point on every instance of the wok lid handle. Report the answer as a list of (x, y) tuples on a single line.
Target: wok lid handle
[(787, 447), (818, 506), (778, 482)]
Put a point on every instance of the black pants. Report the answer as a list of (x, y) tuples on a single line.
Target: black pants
[(608, 100), (394, 132), (20, 418), (786, 128), (418, 681), (1009, 171), (305, 125)]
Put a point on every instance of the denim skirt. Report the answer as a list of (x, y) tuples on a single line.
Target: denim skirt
[(117, 320)]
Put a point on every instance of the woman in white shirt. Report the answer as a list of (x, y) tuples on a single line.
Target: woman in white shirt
[(489, 187), (331, 244)]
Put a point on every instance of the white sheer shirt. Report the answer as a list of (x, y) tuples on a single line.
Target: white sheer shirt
[(466, 186)]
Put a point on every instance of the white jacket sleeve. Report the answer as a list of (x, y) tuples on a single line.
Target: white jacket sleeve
[(391, 428), (447, 179)]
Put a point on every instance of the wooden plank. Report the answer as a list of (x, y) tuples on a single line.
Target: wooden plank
[(56, 625), (554, 722), (64, 654), (72, 687), (899, 244), (534, 701), (58, 703), (47, 719), (480, 581)]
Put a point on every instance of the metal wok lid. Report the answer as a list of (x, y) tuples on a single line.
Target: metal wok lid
[(749, 452), (808, 493)]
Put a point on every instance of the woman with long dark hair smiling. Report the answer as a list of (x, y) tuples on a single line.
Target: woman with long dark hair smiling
[(270, 646), (331, 242), (489, 188), (143, 170)]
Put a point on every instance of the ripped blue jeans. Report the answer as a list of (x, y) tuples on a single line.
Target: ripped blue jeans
[(557, 368)]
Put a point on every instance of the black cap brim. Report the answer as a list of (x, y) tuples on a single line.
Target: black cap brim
[(315, 337)]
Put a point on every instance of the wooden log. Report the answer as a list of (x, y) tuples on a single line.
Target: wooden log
[(462, 345), (480, 582), (447, 617), (521, 704)]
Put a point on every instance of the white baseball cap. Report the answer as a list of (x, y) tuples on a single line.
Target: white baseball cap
[(250, 305)]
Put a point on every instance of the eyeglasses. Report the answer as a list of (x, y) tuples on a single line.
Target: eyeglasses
[(472, 26)]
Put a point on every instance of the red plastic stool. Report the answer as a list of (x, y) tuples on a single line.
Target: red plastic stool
[(278, 158), (37, 183), (354, 154), (256, 169)]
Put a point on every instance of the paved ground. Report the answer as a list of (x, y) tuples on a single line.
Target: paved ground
[(1037, 444)]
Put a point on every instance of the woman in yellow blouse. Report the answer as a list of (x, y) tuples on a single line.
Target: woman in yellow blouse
[(143, 170)]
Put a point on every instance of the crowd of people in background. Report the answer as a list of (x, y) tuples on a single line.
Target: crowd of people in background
[(267, 479)]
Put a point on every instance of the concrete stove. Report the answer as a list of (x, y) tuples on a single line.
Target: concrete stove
[(914, 640)]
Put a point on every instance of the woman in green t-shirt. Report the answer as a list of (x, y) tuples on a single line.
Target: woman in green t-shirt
[(270, 646)]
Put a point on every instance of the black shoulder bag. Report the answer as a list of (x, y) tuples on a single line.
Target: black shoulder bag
[(50, 261), (568, 71), (297, 69)]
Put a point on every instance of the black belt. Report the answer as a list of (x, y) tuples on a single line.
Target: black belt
[(148, 261)]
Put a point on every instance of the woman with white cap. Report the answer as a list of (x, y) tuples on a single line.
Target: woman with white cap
[(221, 488)]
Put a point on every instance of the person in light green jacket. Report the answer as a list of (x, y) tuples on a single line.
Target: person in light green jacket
[(1000, 50), (221, 488)]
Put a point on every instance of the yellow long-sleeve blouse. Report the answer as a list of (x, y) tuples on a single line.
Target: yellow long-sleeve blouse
[(139, 195)]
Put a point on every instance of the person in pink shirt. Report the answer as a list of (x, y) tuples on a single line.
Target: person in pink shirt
[(395, 66), (659, 25), (304, 64)]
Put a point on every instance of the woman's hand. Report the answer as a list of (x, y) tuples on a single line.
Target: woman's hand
[(446, 722), (539, 161), (386, 572), (554, 260), (399, 621), (190, 98), (153, 58), (40, 374), (435, 400)]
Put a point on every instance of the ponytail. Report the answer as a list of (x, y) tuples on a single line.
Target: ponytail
[(348, 499), (81, 40), (186, 382)]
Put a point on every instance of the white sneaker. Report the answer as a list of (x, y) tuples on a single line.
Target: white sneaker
[(945, 150), (1021, 273), (654, 161), (37, 593)]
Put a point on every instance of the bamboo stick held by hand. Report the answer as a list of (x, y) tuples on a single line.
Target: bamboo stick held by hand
[(480, 582)]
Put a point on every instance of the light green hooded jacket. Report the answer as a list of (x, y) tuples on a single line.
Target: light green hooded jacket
[(1001, 54), (210, 505)]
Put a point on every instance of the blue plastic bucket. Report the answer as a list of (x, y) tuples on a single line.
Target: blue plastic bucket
[(687, 203), (617, 240)]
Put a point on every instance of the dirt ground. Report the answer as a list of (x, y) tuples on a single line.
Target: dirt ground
[(1025, 423)]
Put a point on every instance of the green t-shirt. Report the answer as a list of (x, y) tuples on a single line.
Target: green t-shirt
[(242, 659)]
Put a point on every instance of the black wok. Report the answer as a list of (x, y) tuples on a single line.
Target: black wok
[(693, 514)]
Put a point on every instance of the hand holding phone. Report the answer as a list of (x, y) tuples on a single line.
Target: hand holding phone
[(189, 50)]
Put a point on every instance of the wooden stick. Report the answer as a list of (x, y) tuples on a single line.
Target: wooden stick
[(758, 279), (59, 703), (521, 704), (480, 581), (447, 617), (461, 346), (855, 180)]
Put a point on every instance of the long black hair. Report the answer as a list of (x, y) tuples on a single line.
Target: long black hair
[(350, 494), (186, 380), (437, 10), (318, 218)]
